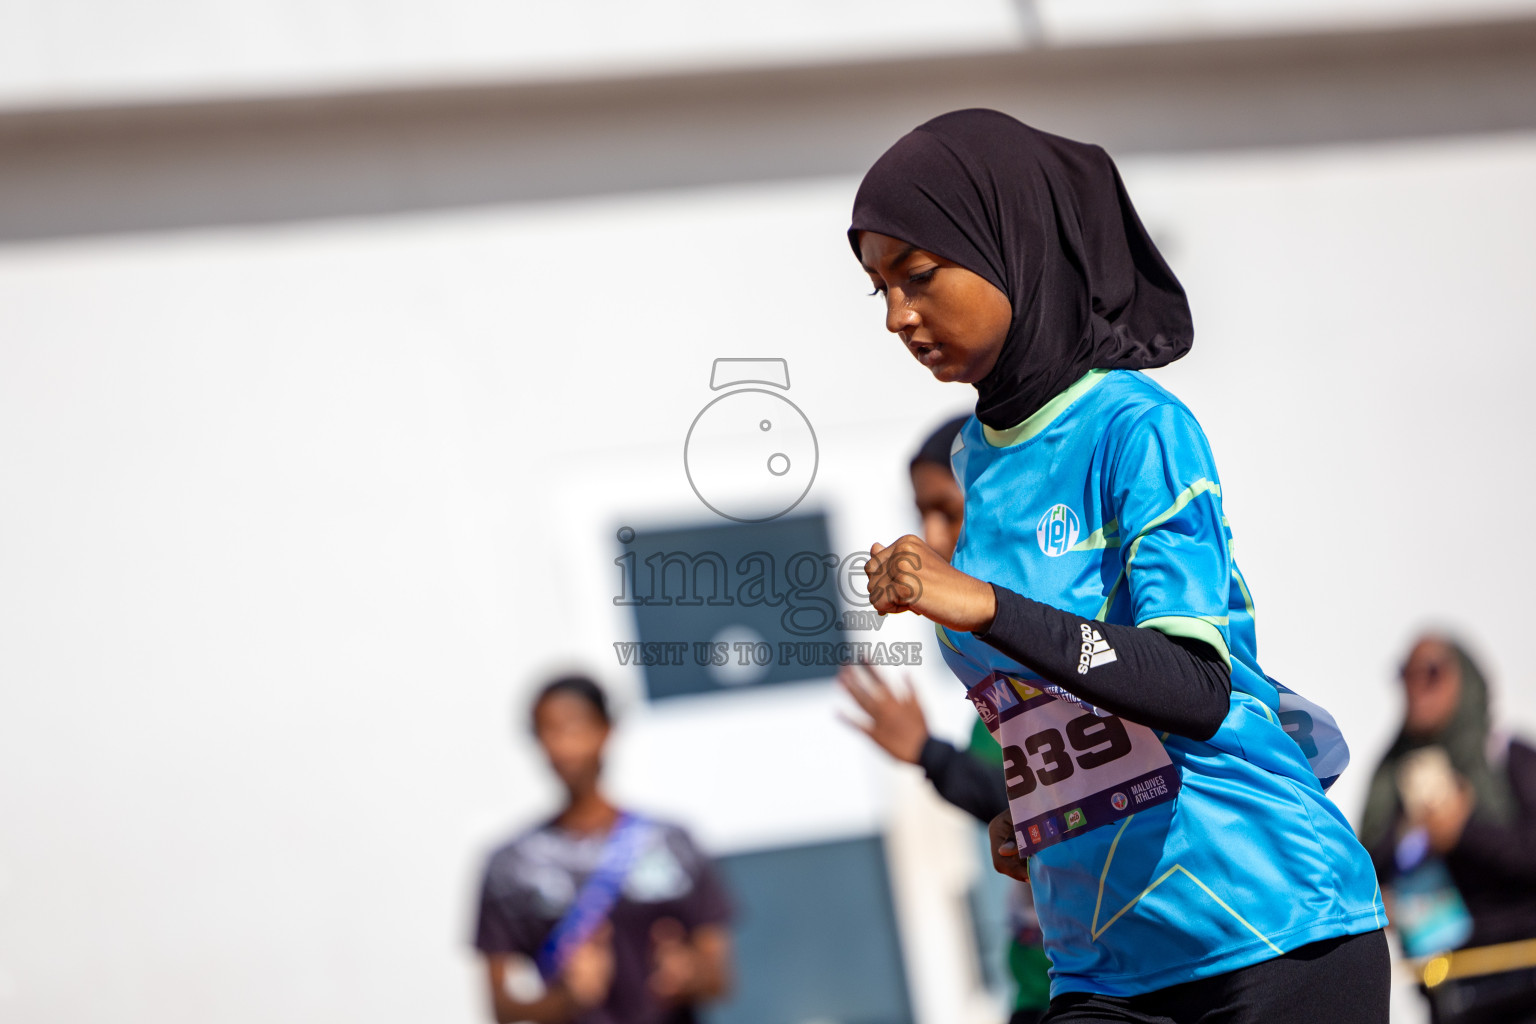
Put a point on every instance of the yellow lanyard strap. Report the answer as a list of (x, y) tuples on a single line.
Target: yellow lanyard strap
[(1472, 963)]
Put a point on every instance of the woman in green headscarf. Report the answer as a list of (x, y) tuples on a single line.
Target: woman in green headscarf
[(1452, 796)]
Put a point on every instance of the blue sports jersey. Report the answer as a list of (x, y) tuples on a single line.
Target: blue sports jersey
[(1106, 503)]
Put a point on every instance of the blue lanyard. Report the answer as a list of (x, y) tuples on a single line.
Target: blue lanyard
[(597, 896)]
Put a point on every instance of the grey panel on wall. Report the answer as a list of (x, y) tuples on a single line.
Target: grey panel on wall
[(816, 937), (733, 583)]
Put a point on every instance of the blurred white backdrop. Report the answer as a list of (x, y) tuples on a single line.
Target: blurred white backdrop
[(293, 515)]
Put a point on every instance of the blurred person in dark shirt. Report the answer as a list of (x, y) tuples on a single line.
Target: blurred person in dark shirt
[(971, 779), (1450, 821), (600, 915)]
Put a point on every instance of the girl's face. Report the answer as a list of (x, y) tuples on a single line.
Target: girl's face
[(953, 321)]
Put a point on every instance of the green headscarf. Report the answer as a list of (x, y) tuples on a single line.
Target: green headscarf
[(1465, 741)]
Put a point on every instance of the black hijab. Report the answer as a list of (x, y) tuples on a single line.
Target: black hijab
[(1047, 221)]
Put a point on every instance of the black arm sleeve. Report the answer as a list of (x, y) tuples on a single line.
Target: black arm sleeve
[(968, 782), (1165, 683)]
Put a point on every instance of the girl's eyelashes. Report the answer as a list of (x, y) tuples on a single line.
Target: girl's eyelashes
[(919, 278)]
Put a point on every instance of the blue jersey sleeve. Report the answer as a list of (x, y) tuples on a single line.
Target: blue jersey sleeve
[(1175, 562)]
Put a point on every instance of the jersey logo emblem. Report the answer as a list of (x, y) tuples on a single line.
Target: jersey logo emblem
[(1057, 530), (1094, 650)]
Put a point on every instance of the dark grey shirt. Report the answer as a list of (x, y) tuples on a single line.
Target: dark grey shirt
[(531, 881)]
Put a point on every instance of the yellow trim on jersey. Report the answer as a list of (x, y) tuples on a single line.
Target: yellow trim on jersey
[(1042, 417), (1193, 628), (1193, 491), (1106, 536), (1208, 891), (1242, 585), (1095, 931), (1108, 859)]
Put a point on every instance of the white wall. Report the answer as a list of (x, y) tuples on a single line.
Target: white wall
[(1083, 21), (90, 52), (274, 509), (85, 51)]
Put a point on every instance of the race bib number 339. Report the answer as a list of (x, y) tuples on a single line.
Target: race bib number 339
[(1069, 768)]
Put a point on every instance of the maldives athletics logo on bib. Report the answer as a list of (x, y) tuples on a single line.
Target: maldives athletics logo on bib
[(1057, 530)]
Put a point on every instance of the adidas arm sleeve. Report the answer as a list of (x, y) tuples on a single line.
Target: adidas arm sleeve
[(1166, 683)]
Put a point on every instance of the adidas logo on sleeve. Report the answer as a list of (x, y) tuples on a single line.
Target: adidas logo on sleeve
[(1094, 652)]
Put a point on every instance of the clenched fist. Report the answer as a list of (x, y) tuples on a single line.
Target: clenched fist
[(910, 576)]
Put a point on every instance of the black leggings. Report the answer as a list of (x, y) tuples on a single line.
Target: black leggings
[(1336, 981)]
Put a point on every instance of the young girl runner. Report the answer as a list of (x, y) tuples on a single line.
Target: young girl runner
[(1186, 863)]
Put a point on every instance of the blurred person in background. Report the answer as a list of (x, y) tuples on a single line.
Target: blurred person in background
[(599, 916), (971, 779), (1450, 821)]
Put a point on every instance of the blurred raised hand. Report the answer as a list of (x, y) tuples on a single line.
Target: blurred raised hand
[(895, 719)]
